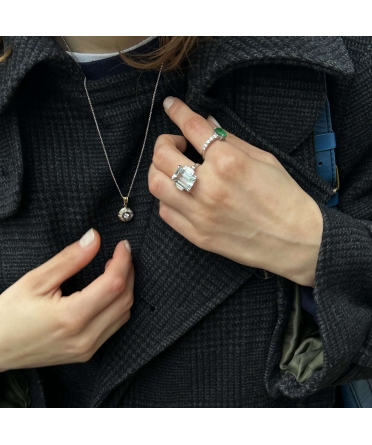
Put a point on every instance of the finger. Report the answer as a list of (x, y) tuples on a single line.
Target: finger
[(121, 260), (106, 288), (168, 154), (178, 141), (48, 277), (108, 262), (251, 150), (111, 319), (164, 189), (178, 222), (194, 127)]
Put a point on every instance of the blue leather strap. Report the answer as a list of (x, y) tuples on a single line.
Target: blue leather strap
[(357, 394), (325, 144)]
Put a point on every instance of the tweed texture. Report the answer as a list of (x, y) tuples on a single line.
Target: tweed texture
[(204, 331)]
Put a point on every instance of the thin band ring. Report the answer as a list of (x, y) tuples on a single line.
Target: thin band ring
[(218, 134)]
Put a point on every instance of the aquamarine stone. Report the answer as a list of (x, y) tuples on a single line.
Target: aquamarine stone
[(184, 178)]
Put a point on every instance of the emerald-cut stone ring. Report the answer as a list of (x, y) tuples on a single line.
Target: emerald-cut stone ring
[(184, 177), (218, 134)]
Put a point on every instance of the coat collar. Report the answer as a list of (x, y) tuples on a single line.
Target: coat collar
[(28, 52), (217, 57), (213, 58)]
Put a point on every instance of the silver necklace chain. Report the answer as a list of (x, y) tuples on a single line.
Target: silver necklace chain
[(125, 214)]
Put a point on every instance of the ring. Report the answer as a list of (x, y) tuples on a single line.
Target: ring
[(184, 177), (219, 133)]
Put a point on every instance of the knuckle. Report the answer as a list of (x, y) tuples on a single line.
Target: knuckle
[(269, 158), (117, 284), (70, 325), (213, 195), (216, 196), (195, 125), (227, 164), (204, 219), (162, 139), (84, 349), (160, 153), (156, 185)]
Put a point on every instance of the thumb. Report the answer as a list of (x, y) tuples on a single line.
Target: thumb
[(50, 275)]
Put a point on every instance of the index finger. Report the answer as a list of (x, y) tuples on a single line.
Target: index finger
[(194, 127), (107, 287)]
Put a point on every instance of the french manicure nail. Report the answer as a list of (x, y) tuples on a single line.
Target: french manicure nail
[(127, 246), (87, 239), (213, 120), (168, 102)]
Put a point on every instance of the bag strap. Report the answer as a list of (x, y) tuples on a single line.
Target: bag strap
[(325, 144)]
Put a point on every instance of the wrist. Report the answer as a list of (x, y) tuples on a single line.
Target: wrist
[(294, 254), (307, 240)]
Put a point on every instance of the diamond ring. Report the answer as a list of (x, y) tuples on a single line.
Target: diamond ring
[(219, 133), (184, 177)]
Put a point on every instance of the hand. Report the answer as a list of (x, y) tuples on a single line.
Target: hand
[(243, 206), (40, 328)]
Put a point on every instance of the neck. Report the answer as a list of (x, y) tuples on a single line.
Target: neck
[(98, 45)]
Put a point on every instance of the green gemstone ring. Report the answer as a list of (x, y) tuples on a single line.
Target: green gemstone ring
[(218, 134)]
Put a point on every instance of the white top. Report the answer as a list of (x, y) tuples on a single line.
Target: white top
[(82, 57)]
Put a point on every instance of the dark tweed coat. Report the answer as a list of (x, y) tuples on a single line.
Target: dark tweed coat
[(204, 331)]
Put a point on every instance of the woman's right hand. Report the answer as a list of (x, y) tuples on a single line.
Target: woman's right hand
[(38, 327)]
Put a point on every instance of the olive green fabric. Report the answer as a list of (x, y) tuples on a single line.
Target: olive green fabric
[(302, 347), (14, 390)]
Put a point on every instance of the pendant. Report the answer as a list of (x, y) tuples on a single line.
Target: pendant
[(125, 214)]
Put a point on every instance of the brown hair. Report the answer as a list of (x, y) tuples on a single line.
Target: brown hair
[(4, 52), (171, 53)]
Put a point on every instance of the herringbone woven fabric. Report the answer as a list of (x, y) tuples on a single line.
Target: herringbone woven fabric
[(204, 332)]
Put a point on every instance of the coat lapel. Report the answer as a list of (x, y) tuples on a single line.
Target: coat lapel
[(11, 164), (271, 106), (217, 57), (177, 284), (27, 52)]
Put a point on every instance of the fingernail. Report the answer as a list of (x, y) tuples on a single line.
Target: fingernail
[(87, 239), (127, 246), (213, 120), (168, 102)]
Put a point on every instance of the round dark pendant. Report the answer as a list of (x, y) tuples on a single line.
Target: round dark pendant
[(125, 214)]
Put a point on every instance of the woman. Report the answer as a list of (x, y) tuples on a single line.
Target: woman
[(214, 275)]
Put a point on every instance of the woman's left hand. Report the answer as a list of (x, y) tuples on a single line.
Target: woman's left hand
[(243, 206)]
